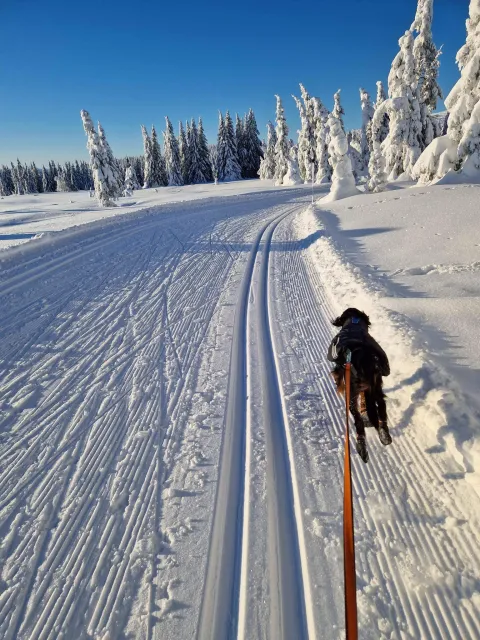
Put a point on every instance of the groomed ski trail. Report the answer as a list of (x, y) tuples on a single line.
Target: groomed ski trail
[(225, 589), (104, 337)]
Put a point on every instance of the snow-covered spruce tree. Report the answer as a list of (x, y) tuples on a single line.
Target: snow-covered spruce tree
[(359, 167), (228, 167), (457, 150), (130, 179), (462, 102), (338, 111), (383, 127), (267, 165), (303, 146), (186, 153), (292, 177), (213, 156), (324, 169), (309, 134), (402, 147), (253, 146), (183, 151), (366, 144), (377, 164), (282, 146), (241, 142), (172, 156), (203, 152), (106, 186), (427, 63), (147, 159), (343, 182), (196, 174), (159, 174), (111, 159)]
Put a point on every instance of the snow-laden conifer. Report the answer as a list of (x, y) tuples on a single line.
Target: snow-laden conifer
[(282, 146), (172, 156), (343, 182), (183, 150), (303, 142), (402, 147), (204, 155), (322, 138), (427, 63), (383, 126), (105, 182), (241, 143), (377, 165), (292, 177), (111, 160), (228, 165), (147, 158), (338, 111), (457, 150), (158, 177), (131, 182), (366, 144), (252, 145), (267, 165), (196, 173)]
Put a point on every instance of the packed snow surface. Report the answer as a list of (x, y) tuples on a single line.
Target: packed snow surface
[(171, 444)]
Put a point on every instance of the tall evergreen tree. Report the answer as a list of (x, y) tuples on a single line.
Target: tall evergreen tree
[(343, 182), (303, 143), (252, 146), (106, 185), (204, 154), (183, 150), (147, 158), (159, 175), (172, 156), (383, 125), (111, 159), (228, 165), (427, 63), (240, 140), (195, 170), (282, 146), (322, 138), (187, 153), (338, 111), (267, 166), (366, 143)]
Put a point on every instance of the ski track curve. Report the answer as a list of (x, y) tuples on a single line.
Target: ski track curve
[(102, 343)]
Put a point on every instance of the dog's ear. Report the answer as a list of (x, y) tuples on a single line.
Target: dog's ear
[(338, 322)]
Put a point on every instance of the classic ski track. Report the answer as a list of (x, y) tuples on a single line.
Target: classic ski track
[(224, 594), (96, 478), (429, 615)]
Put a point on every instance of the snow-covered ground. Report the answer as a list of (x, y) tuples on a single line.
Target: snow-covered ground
[(171, 445), (30, 217)]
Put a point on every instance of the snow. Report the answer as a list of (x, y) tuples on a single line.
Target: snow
[(421, 261), (171, 444)]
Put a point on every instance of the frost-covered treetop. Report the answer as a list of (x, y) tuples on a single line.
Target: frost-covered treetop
[(472, 44), (423, 17), (402, 77)]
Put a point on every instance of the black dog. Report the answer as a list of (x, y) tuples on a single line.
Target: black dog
[(369, 365)]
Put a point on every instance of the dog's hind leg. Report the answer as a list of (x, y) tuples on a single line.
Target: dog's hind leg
[(383, 431), (359, 426), (370, 409)]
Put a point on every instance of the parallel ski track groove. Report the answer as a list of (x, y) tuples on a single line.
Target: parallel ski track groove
[(222, 588)]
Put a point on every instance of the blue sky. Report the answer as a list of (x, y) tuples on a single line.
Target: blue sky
[(132, 63)]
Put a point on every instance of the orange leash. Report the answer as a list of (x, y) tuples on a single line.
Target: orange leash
[(351, 622)]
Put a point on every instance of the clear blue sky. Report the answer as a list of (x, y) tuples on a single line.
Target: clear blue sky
[(133, 62)]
